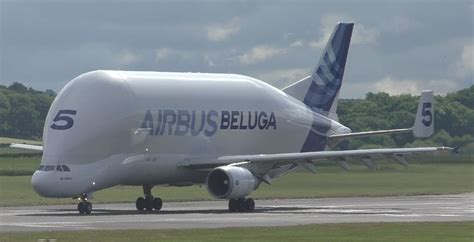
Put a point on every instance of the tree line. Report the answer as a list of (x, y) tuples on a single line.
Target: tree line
[(453, 119), (23, 111)]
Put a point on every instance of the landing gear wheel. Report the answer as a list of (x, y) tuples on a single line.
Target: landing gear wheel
[(157, 203), (233, 205), (249, 205), (88, 207), (80, 208), (140, 203), (149, 203), (84, 207), (241, 205)]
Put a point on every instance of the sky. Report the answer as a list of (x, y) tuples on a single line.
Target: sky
[(397, 46)]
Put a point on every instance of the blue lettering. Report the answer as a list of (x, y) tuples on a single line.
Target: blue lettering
[(212, 123), (262, 120), (242, 125), (225, 116), (170, 122), (194, 131), (234, 120), (148, 121), (272, 121), (252, 126), (159, 123), (183, 121), (187, 122)]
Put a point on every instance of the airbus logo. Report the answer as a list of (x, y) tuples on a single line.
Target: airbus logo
[(193, 123)]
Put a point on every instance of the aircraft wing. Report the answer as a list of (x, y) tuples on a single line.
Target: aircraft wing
[(27, 147), (366, 155)]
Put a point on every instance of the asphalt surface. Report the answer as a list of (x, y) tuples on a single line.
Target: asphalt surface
[(213, 214)]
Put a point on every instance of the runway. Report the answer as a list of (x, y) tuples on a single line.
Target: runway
[(213, 214)]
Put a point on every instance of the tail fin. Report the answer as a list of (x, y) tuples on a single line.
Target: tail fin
[(320, 91), (424, 120)]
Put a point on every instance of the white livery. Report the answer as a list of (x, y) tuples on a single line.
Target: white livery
[(229, 132)]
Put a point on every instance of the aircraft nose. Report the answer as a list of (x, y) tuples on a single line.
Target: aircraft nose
[(39, 183)]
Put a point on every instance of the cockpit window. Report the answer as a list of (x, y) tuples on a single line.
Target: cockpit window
[(65, 168), (49, 168), (53, 168)]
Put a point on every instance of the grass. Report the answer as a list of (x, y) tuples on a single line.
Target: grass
[(331, 181), (14, 166), (5, 140), (5, 150), (422, 231)]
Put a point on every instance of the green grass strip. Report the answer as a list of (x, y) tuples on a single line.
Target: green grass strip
[(413, 231), (418, 179)]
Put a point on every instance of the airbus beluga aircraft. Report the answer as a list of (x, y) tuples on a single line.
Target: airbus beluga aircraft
[(229, 132)]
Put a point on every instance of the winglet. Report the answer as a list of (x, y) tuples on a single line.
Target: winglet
[(424, 121)]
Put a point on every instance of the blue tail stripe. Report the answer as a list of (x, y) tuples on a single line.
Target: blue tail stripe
[(323, 76), (333, 66), (326, 80), (325, 86)]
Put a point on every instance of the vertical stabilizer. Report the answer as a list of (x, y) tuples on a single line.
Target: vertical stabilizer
[(320, 91)]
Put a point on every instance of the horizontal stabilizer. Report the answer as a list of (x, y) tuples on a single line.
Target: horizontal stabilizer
[(27, 147)]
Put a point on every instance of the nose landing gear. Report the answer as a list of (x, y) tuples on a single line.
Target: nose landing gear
[(148, 202), (84, 207)]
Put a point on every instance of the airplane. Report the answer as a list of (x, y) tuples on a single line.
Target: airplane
[(229, 132)]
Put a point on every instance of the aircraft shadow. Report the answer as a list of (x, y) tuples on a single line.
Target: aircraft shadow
[(288, 210)]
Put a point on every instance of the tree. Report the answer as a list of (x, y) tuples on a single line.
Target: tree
[(18, 87), (23, 116)]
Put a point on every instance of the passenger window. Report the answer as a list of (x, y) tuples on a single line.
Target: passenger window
[(65, 168), (49, 168), (58, 168), (40, 168)]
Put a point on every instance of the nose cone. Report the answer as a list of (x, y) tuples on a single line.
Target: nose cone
[(39, 181)]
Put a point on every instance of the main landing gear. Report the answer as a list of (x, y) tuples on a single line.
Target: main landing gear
[(241, 205), (148, 202), (84, 207)]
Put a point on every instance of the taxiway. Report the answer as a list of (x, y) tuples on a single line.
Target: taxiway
[(214, 214)]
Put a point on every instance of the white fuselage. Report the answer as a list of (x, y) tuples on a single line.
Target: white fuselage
[(133, 128)]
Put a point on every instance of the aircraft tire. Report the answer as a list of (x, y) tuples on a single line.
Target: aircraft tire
[(157, 204), (241, 207), (140, 203), (249, 205), (88, 207), (80, 208), (233, 205), (149, 203)]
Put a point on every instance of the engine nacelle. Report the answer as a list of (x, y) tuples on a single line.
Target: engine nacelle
[(230, 182)]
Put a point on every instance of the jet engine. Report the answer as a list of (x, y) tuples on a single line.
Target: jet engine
[(229, 182)]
